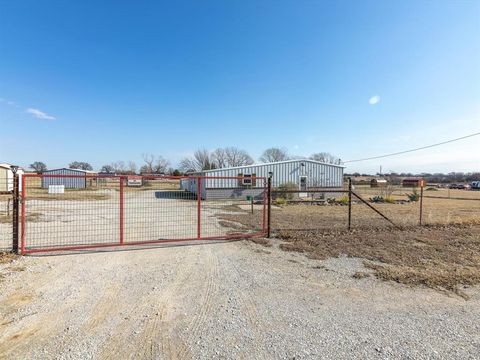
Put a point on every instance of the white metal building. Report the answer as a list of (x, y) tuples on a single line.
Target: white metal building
[(304, 173), (6, 177)]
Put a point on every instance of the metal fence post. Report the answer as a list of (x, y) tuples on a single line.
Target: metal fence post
[(269, 206), (199, 204), (421, 205), (15, 203), (121, 210), (349, 203)]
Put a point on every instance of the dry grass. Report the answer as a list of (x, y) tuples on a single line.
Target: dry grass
[(444, 255), (7, 257), (70, 194), (443, 258), (31, 216)]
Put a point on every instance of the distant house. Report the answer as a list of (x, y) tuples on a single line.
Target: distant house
[(70, 178), (378, 183), (413, 182), (6, 177)]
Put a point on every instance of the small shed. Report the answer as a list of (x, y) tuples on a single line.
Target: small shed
[(75, 181), (6, 177), (413, 182), (378, 183)]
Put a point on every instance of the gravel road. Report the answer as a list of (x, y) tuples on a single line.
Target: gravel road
[(223, 300)]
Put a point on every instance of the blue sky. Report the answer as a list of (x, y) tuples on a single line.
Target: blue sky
[(107, 81)]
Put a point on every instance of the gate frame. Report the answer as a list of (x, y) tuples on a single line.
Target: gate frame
[(121, 242)]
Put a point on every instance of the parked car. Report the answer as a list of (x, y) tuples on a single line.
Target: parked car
[(475, 185), (452, 186)]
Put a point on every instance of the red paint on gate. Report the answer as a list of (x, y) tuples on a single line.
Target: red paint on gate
[(121, 203), (24, 194), (199, 203), (121, 209)]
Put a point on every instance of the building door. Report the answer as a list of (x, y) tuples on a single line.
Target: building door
[(303, 186)]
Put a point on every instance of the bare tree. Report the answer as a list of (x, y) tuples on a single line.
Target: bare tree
[(107, 169), (132, 167), (326, 158), (154, 165), (201, 160), (38, 166), (80, 165), (231, 156), (274, 154)]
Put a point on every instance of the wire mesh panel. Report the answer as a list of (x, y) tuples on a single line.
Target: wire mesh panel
[(127, 210), (232, 206), (158, 210), (60, 216), (6, 214)]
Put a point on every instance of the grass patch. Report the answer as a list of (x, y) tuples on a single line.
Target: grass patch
[(7, 257)]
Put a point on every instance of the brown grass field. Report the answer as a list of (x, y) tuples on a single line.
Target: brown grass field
[(444, 254)]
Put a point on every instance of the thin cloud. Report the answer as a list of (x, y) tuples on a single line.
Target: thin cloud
[(374, 100), (40, 114)]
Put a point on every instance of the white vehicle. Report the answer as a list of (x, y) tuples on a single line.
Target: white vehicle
[(475, 185)]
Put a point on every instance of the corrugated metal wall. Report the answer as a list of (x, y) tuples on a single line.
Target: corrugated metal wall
[(318, 175), (69, 183)]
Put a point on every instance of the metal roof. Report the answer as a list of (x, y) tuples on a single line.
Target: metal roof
[(80, 170), (273, 163)]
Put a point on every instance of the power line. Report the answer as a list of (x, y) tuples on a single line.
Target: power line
[(412, 150)]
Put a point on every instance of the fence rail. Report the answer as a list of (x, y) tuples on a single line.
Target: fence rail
[(59, 214)]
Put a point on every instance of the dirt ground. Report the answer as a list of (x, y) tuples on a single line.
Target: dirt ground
[(223, 300)]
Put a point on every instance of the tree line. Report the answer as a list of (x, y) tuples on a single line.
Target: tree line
[(201, 159)]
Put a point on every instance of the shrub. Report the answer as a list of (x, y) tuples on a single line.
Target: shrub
[(414, 196), (343, 200), (377, 199), (280, 201), (286, 187), (389, 199)]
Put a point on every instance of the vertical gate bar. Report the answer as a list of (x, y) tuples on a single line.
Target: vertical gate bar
[(199, 199), (264, 205), (121, 210), (24, 198), (349, 203)]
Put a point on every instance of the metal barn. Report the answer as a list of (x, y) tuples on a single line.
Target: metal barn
[(304, 173), (68, 182)]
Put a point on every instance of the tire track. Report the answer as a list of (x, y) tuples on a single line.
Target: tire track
[(207, 300)]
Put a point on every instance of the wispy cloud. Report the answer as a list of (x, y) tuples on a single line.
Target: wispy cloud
[(374, 100), (40, 114)]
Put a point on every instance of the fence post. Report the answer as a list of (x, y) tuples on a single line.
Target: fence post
[(421, 205), (15, 202), (24, 200), (269, 206), (199, 203), (349, 203), (121, 210)]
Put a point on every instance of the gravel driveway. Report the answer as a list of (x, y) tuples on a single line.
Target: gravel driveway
[(223, 300)]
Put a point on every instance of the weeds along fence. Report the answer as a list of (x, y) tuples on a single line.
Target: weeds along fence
[(70, 212), (366, 208), (66, 212)]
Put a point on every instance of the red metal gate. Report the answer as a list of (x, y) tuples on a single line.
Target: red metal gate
[(71, 212)]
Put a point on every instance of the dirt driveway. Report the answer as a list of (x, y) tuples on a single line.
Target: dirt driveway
[(225, 300)]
